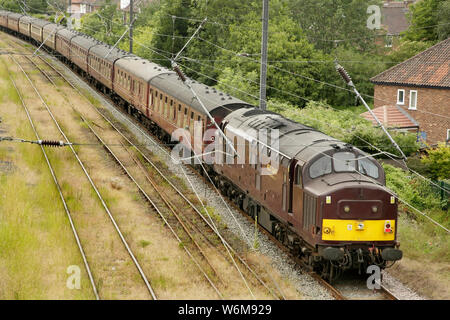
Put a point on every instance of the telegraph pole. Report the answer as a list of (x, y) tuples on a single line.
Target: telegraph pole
[(131, 26), (264, 45), (69, 23)]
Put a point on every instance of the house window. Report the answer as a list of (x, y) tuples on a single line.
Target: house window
[(400, 96), (413, 99), (388, 41)]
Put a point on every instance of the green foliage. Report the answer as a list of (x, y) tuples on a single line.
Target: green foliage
[(169, 32), (105, 25), (325, 21), (429, 21), (414, 190), (347, 126), (438, 162)]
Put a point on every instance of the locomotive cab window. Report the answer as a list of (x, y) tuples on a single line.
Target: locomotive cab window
[(344, 162), (367, 167), (320, 167)]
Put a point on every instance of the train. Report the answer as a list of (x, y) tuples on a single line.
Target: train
[(323, 199)]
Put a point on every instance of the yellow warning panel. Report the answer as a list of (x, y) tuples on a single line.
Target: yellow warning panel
[(357, 230)]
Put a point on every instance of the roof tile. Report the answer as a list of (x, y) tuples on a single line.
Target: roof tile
[(430, 68)]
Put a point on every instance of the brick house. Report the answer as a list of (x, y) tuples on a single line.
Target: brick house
[(421, 87), (81, 7), (394, 21)]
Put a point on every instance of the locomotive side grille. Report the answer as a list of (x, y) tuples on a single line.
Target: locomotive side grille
[(309, 210)]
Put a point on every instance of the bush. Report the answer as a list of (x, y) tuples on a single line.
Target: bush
[(438, 162), (346, 126), (414, 190)]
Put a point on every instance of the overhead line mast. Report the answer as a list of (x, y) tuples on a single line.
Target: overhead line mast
[(131, 26), (264, 45)]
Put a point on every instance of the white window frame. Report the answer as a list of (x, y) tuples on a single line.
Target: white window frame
[(398, 95), (388, 41), (410, 100), (448, 135)]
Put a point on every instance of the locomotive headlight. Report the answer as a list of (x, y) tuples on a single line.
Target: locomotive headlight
[(326, 230), (374, 209), (346, 209)]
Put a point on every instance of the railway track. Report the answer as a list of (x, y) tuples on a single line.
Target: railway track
[(58, 187), (88, 176), (186, 223), (336, 293), (333, 291)]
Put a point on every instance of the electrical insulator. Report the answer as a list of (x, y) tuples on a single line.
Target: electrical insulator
[(180, 73), (51, 143), (344, 75)]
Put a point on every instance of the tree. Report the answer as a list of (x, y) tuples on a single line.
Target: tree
[(429, 21), (438, 162), (326, 20), (105, 24), (169, 32)]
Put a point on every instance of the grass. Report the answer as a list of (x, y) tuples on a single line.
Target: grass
[(36, 244), (144, 243)]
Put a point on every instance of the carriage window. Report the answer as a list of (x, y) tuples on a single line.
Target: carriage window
[(185, 111), (160, 96), (367, 167), (344, 161), (179, 107), (192, 115), (320, 167)]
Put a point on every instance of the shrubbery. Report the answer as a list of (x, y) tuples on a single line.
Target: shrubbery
[(438, 162), (346, 126)]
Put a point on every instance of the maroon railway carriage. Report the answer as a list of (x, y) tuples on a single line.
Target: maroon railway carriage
[(25, 26), (79, 51), (37, 26), (101, 65), (13, 21), (4, 18), (49, 34), (63, 38)]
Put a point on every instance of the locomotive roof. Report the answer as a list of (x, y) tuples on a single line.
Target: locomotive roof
[(39, 22), (84, 41), (141, 68), (295, 139), (15, 15), (211, 97), (103, 49)]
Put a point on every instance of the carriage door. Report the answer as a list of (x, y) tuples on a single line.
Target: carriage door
[(291, 183)]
